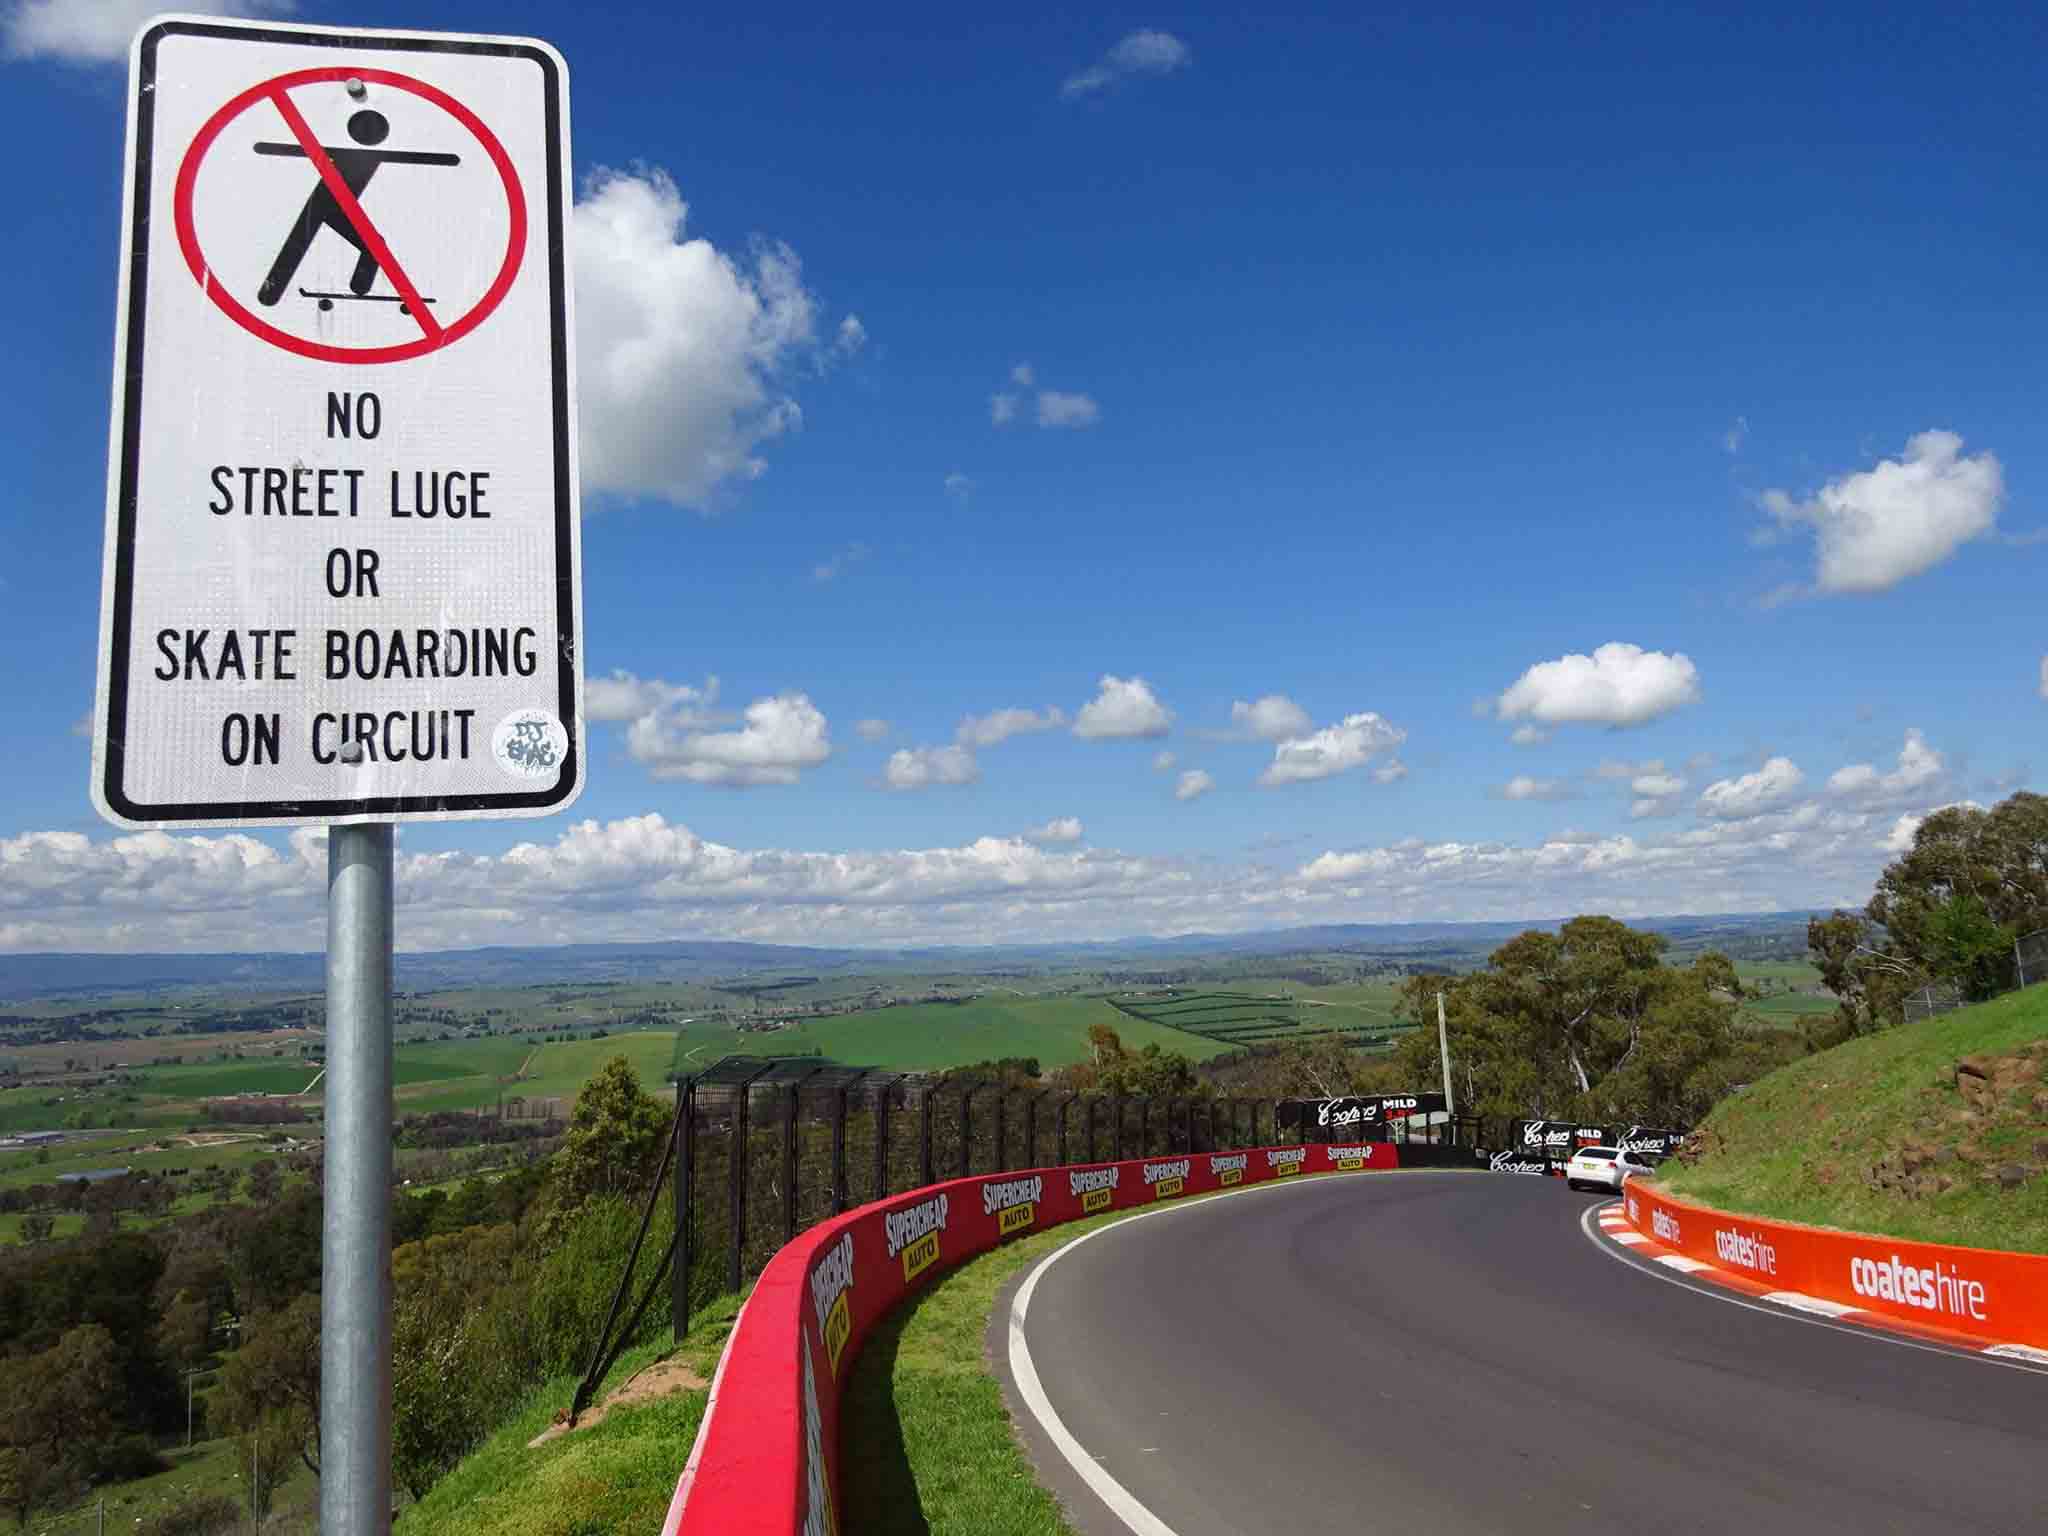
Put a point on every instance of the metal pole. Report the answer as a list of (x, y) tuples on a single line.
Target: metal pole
[(1443, 1045), (839, 1150), (882, 1141), (355, 1253), (789, 1108), (924, 1110)]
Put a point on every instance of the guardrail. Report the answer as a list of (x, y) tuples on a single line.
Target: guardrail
[(1983, 1294), (766, 1461)]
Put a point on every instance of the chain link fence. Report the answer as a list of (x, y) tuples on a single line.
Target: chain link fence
[(2029, 967)]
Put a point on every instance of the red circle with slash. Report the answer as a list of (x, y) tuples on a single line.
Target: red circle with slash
[(433, 335)]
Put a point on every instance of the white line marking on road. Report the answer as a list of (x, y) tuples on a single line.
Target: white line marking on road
[(1631, 1238), (1820, 1306), (1712, 1292), (2019, 1352), (1683, 1262)]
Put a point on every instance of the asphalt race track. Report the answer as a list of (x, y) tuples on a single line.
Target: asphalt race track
[(1449, 1353)]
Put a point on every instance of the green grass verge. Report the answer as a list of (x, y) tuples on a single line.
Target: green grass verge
[(614, 1476), (1803, 1143)]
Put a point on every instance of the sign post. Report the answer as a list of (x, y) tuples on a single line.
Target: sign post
[(341, 584)]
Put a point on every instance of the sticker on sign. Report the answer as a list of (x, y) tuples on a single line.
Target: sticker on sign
[(342, 574)]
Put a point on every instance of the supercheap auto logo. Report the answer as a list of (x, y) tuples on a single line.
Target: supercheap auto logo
[(1096, 1189), (1229, 1170), (1014, 1203), (1168, 1178), (1287, 1160), (830, 1282), (914, 1233), (1346, 1159)]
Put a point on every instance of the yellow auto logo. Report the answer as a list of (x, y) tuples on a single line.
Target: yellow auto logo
[(1167, 1188), (1285, 1169), (1097, 1199), (920, 1256), (1016, 1219), (838, 1325), (1350, 1164), (1231, 1176)]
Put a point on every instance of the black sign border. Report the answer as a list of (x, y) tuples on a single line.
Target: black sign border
[(121, 628)]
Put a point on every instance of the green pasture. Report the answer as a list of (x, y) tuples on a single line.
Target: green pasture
[(925, 1037)]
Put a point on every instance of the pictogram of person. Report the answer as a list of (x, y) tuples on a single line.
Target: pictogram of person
[(368, 128)]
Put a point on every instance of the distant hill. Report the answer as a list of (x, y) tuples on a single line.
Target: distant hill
[(1430, 946)]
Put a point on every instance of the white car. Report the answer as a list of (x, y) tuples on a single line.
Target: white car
[(1602, 1168)]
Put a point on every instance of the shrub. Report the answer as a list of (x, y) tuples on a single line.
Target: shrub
[(197, 1514)]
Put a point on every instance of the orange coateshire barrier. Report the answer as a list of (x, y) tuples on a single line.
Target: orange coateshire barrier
[(767, 1455), (1982, 1294)]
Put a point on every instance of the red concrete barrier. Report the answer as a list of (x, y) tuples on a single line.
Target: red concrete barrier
[(767, 1455), (1983, 1294)]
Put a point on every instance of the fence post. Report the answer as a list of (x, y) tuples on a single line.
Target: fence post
[(679, 1277), (1031, 1128), (789, 1163), (1064, 1104), (924, 1166), (1090, 1111), (1002, 1129), (1116, 1128), (736, 1167), (839, 1150), (966, 1127), (882, 1142), (1145, 1126), (2019, 963)]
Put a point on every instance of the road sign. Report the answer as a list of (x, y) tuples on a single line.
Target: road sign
[(342, 576)]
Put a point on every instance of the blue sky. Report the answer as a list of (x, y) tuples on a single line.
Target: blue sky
[(1380, 361)]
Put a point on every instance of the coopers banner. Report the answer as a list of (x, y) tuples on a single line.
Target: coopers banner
[(1997, 1297), (767, 1458)]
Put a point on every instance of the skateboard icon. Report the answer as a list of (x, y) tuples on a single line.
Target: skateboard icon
[(354, 165)]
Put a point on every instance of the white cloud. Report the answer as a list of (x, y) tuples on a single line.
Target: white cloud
[(1002, 409), (83, 725), (1056, 408), (2044, 677), (1272, 717), (1140, 53), (926, 767), (1656, 785), (1061, 829), (1900, 838), (958, 486), (1919, 766), (1351, 743), (99, 31), (642, 878), (626, 696), (679, 347), (1022, 376), (1194, 784), (1529, 736), (1162, 762), (1736, 435), (1752, 793), (781, 737), (1523, 787), (871, 729), (999, 725), (1391, 771), (852, 335), (1656, 791), (1617, 685), (1123, 708), (1877, 527)]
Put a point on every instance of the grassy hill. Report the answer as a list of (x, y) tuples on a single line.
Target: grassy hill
[(1886, 1134)]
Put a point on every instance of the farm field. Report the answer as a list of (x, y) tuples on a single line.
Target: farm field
[(134, 1151), (553, 1070), (932, 1036), (1243, 1016)]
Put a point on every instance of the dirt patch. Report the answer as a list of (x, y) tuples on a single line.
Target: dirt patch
[(657, 1380)]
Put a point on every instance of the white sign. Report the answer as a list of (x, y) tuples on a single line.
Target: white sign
[(342, 577)]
